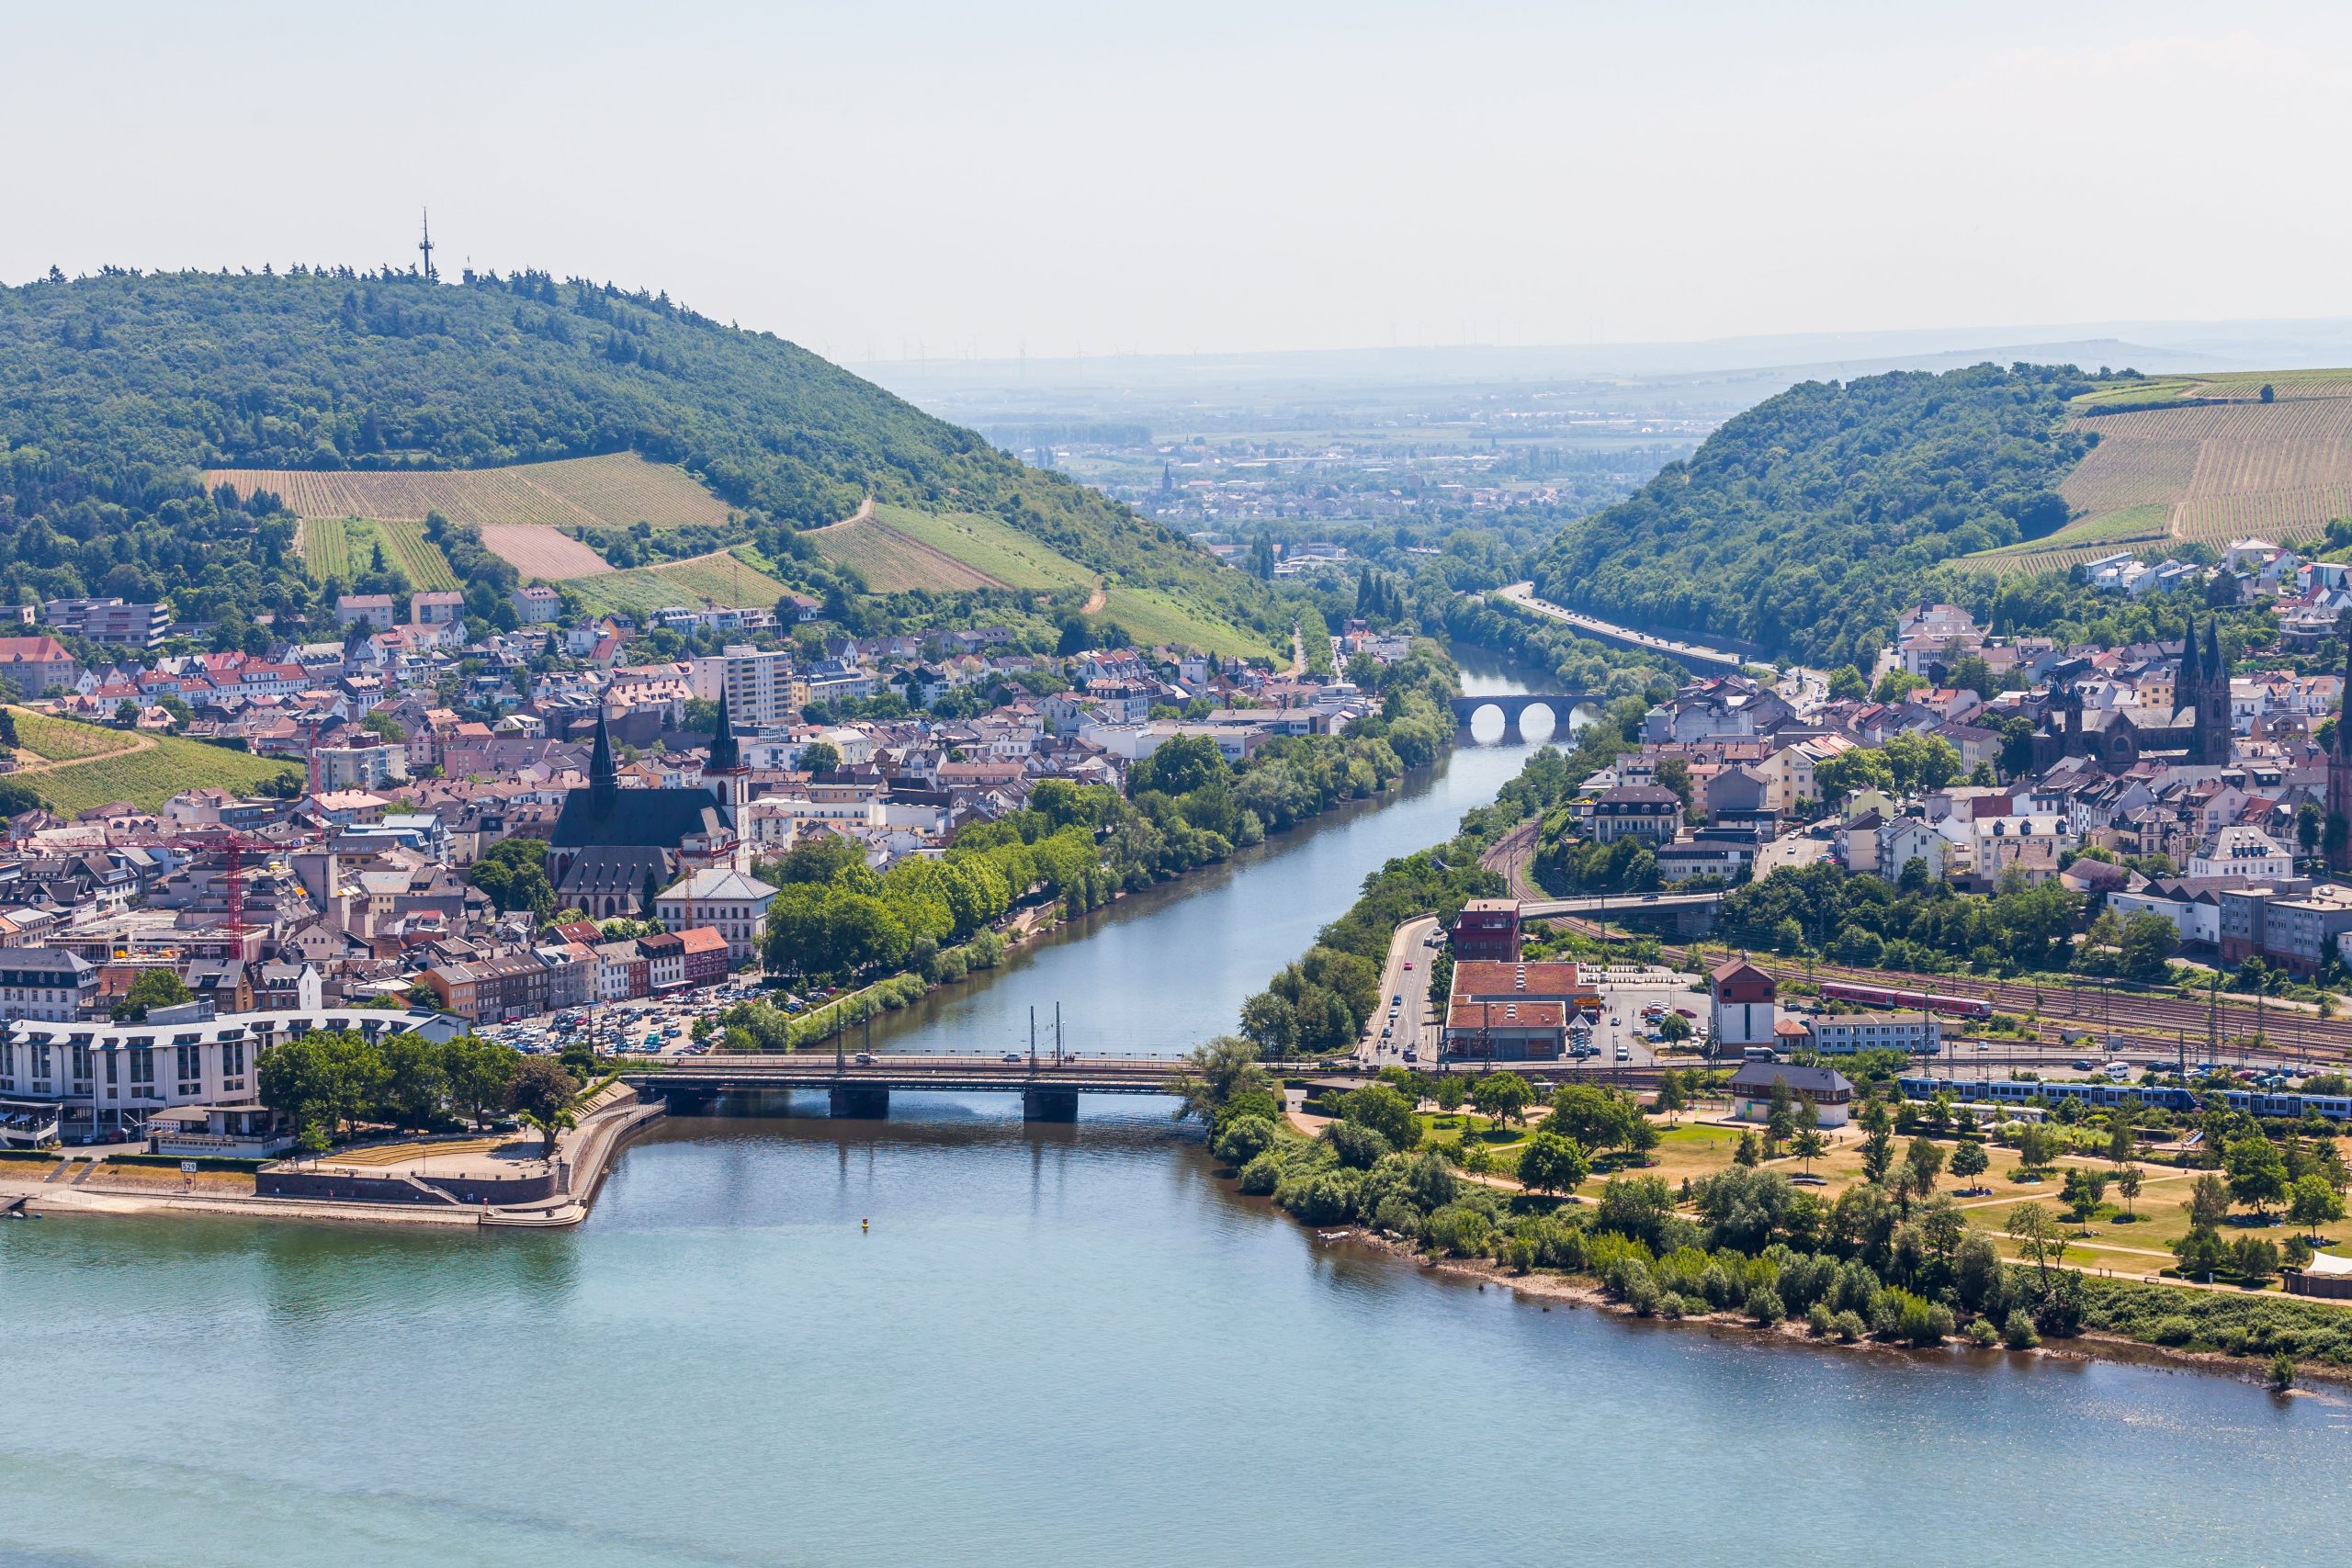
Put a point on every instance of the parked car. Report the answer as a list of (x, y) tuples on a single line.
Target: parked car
[(863, 1058)]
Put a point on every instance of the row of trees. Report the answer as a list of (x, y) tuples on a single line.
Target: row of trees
[(1915, 923), (328, 1082)]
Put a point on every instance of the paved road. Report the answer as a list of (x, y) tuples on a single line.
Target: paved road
[(1405, 973), (1524, 595)]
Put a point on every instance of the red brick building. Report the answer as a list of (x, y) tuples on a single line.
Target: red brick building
[(1487, 929), (1513, 1012)]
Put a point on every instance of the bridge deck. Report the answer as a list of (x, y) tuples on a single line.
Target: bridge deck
[(965, 1074)]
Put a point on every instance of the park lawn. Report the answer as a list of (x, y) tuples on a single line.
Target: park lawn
[(2162, 1219)]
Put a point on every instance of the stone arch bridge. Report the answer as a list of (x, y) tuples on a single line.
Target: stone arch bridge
[(1560, 704)]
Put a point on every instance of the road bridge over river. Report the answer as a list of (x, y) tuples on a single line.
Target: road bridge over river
[(1048, 1088)]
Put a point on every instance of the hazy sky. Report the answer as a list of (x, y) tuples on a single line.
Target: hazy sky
[(870, 179)]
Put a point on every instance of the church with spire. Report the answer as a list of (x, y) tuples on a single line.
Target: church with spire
[(613, 849), (2196, 733)]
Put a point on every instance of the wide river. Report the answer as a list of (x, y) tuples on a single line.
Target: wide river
[(1057, 1344)]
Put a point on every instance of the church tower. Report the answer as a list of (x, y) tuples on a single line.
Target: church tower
[(2191, 681), (604, 778), (2337, 836), (725, 774), (2213, 737)]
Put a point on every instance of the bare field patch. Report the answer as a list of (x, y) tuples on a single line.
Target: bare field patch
[(542, 553)]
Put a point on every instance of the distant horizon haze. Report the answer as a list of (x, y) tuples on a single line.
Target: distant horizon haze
[(926, 183)]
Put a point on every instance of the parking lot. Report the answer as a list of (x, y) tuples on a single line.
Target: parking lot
[(1623, 996), (659, 1025)]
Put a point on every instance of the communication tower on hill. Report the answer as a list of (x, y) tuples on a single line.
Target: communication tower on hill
[(425, 247)]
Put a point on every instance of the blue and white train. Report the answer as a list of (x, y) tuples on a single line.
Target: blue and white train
[(2015, 1091)]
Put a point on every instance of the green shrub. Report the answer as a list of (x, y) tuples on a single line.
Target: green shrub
[(1850, 1327), (1243, 1139), (1983, 1335), (2282, 1371), (1672, 1306), (2018, 1333), (1319, 1197), (1819, 1321), (1264, 1174), (2174, 1330), (1764, 1305), (1460, 1231)]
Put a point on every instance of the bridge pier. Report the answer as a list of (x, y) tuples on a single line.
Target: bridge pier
[(861, 1104), (1050, 1105)]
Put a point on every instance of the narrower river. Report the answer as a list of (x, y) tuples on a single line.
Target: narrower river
[(1057, 1344)]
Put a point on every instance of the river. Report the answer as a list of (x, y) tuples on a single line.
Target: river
[(1055, 1345)]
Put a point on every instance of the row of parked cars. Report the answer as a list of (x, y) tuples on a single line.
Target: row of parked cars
[(648, 1027)]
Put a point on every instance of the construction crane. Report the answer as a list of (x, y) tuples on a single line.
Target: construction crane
[(234, 847)]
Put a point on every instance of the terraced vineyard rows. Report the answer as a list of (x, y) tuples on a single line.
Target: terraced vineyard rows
[(2211, 471), (341, 548), (326, 547), (609, 491), (720, 577), (892, 561), (64, 741), (419, 558), (149, 777), (1154, 616), (1003, 552)]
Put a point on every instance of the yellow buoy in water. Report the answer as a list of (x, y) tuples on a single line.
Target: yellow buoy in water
[(863, 1226)]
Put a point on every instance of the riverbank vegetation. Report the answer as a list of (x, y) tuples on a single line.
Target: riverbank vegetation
[(1913, 1225), (1891, 1257)]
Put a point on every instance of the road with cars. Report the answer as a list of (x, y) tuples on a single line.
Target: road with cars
[(1405, 1019)]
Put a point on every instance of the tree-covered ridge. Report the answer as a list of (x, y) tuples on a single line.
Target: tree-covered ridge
[(1806, 523), (118, 390)]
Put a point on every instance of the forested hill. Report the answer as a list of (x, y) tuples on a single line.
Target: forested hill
[(1805, 524), (117, 389)]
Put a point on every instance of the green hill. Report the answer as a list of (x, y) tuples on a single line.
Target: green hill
[(118, 392), (1805, 524)]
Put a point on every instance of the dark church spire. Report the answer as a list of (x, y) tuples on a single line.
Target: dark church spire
[(2192, 672), (725, 756), (604, 778)]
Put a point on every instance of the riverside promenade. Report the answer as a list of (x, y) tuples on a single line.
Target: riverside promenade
[(428, 1182)]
